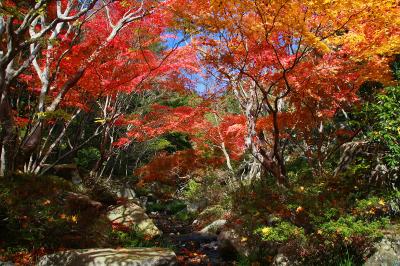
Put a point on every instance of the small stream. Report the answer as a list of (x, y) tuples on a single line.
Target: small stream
[(191, 247)]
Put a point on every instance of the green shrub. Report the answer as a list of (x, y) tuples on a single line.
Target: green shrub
[(155, 207)]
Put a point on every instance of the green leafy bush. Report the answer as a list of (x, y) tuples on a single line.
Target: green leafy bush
[(171, 207), (34, 213), (184, 216), (130, 239), (350, 226), (192, 190)]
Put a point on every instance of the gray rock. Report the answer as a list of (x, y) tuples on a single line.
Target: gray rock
[(387, 252), (214, 228), (212, 245), (132, 215), (82, 201), (111, 257), (6, 263)]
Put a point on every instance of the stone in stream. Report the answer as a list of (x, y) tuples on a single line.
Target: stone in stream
[(132, 215), (111, 257), (281, 260), (126, 192), (214, 228)]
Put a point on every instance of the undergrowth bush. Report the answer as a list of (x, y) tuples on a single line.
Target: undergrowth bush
[(34, 214), (281, 232), (314, 222)]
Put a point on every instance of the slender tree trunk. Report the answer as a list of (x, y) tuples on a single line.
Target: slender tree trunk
[(8, 137)]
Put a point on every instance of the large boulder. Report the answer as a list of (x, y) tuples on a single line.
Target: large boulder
[(6, 263), (387, 252), (132, 215), (111, 257), (230, 244)]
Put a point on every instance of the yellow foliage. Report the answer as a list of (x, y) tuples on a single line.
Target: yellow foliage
[(369, 27)]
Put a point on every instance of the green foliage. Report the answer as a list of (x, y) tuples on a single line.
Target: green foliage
[(298, 168), (367, 204), (171, 142), (157, 47), (175, 206), (325, 219), (244, 261), (350, 226), (155, 207), (386, 129), (212, 213), (172, 207), (176, 100), (347, 261), (160, 144), (211, 187), (184, 216), (281, 232), (192, 190), (130, 239), (11, 11), (58, 114), (87, 157), (134, 239), (396, 67), (102, 190)]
